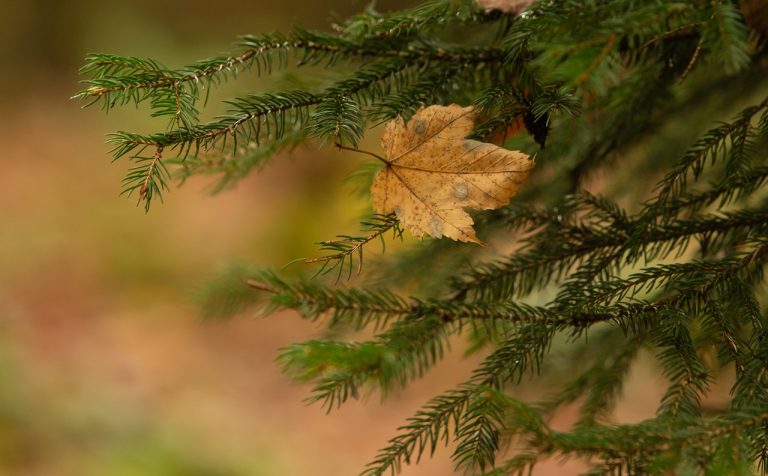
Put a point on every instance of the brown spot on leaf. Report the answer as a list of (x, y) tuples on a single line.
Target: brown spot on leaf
[(419, 127)]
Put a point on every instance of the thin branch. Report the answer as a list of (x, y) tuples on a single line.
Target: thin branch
[(156, 158), (352, 149)]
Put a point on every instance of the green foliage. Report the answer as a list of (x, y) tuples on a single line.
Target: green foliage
[(643, 230)]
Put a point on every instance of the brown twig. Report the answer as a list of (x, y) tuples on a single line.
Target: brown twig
[(692, 62), (144, 190), (260, 286), (343, 147)]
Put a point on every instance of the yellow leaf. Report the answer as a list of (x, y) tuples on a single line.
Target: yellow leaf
[(433, 173)]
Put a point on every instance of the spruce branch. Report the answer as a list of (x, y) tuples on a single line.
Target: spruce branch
[(149, 177), (641, 442), (249, 119), (346, 247), (681, 366), (424, 18), (353, 308), (117, 79), (431, 424), (582, 282), (400, 354), (479, 438), (551, 255), (230, 168), (710, 148), (608, 291), (724, 193), (726, 35)]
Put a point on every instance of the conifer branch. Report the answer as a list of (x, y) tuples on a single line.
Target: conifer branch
[(431, 424), (711, 147), (346, 247), (133, 79), (229, 169), (246, 119), (149, 177), (602, 85), (431, 15), (544, 264)]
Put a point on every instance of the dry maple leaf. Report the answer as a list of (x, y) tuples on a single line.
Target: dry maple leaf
[(433, 173)]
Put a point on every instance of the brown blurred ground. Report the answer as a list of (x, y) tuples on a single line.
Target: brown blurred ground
[(105, 367)]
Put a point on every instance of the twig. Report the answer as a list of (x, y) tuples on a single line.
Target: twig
[(692, 62), (144, 190), (337, 144)]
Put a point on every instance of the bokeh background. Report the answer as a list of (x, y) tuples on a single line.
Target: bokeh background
[(106, 367)]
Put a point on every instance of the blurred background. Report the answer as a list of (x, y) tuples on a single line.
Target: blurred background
[(106, 367)]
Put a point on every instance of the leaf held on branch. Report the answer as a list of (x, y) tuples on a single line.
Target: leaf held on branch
[(433, 173)]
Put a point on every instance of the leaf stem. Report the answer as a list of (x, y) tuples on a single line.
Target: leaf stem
[(343, 147)]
